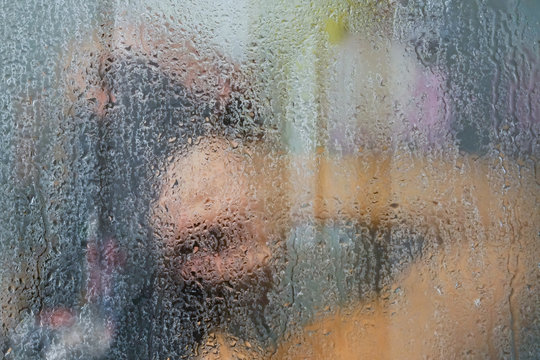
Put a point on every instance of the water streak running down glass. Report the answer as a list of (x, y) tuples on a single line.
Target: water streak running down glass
[(270, 179)]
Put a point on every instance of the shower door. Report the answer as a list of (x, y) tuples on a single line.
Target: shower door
[(248, 179)]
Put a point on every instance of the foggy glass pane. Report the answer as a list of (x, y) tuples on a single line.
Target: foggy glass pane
[(269, 179)]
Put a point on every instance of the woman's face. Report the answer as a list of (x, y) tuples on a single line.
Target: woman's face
[(213, 200)]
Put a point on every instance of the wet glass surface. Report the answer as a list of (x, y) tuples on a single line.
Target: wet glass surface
[(269, 179)]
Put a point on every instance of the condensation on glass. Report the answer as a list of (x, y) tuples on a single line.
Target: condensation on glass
[(269, 179)]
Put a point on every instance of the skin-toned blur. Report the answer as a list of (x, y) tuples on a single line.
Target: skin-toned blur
[(457, 297), (216, 200)]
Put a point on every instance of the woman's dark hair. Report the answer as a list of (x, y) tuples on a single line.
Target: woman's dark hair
[(150, 117)]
